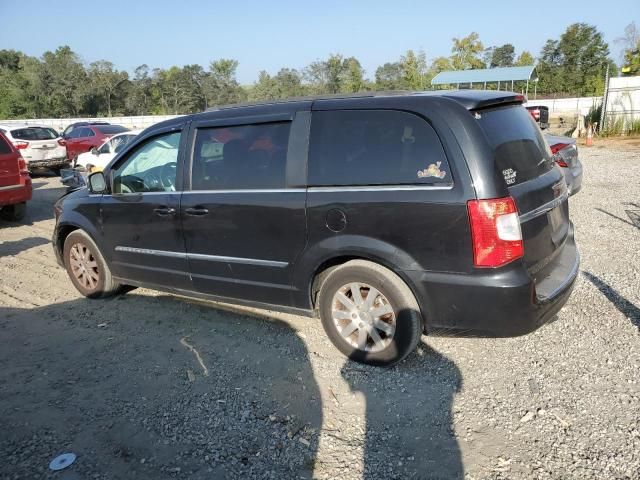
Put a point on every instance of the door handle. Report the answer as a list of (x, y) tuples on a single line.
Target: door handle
[(196, 211), (164, 211)]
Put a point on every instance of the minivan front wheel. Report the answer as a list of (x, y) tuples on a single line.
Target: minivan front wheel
[(369, 313), (86, 266)]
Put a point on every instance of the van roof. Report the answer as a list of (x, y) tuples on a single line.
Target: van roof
[(470, 99)]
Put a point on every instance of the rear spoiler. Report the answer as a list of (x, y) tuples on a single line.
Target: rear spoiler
[(480, 99)]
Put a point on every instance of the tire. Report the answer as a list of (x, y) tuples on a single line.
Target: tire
[(90, 275), (392, 305), (14, 213)]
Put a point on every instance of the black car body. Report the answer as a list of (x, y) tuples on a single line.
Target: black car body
[(565, 154), (452, 199)]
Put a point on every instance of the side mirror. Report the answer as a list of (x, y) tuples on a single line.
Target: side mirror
[(95, 151), (97, 183)]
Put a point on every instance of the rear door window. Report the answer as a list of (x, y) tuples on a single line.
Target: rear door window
[(110, 129), (521, 153), (240, 157), (374, 147)]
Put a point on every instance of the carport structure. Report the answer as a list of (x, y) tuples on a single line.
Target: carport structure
[(484, 76)]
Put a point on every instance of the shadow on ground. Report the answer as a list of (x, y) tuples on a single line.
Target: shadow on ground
[(623, 305), (119, 382), (14, 247)]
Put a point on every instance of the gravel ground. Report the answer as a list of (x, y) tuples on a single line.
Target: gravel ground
[(153, 386)]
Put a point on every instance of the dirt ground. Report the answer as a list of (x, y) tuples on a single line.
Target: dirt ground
[(153, 386)]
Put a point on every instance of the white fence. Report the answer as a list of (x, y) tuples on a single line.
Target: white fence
[(623, 100), (133, 123), (580, 105)]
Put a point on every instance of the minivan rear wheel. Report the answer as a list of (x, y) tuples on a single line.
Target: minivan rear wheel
[(14, 213), (86, 267), (369, 313)]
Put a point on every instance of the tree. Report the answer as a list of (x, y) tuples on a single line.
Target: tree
[(63, 81), (524, 59), (576, 63), (353, 76), (414, 69), (631, 50), (502, 56), (220, 85), (105, 82), (389, 77), (465, 52)]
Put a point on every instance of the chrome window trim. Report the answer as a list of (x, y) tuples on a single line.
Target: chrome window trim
[(379, 188), (251, 190), (200, 256)]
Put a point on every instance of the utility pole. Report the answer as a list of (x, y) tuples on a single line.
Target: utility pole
[(603, 110)]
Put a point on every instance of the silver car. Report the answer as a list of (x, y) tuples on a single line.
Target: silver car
[(565, 154)]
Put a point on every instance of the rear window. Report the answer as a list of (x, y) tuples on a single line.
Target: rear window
[(374, 147), (110, 129), (33, 133), (521, 153)]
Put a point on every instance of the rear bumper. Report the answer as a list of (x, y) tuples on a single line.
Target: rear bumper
[(499, 303), (49, 163), (18, 193)]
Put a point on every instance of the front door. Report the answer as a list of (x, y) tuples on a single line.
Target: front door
[(243, 223), (140, 218)]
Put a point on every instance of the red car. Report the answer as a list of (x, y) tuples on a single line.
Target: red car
[(84, 138), (15, 182)]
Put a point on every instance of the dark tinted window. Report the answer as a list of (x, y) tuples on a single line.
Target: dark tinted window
[(33, 133), (110, 129), (4, 147), (520, 150), (249, 156), (374, 147)]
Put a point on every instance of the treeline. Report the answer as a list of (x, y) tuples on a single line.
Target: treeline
[(59, 84)]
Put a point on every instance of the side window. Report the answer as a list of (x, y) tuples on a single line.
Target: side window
[(151, 167), (374, 147), (106, 148), (87, 132), (73, 133), (242, 157), (119, 143), (4, 147)]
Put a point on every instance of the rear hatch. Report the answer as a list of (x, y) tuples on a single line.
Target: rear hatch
[(38, 143), (9, 167), (524, 161)]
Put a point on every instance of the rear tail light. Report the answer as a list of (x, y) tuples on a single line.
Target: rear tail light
[(22, 165), (21, 145), (555, 150), (495, 232), (62, 142)]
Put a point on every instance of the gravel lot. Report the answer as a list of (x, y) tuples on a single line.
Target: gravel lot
[(153, 386)]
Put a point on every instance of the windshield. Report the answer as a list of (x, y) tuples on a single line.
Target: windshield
[(34, 133)]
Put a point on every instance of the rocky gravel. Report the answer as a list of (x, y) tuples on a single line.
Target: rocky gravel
[(153, 386)]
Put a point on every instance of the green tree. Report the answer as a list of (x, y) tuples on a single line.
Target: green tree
[(576, 63), (220, 85), (389, 77), (353, 76), (502, 56), (108, 84), (524, 59), (630, 42), (466, 51), (63, 81), (414, 68)]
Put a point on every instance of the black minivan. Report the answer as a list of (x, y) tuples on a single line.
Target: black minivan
[(389, 216)]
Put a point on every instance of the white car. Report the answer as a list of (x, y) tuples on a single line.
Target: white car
[(98, 158), (40, 146)]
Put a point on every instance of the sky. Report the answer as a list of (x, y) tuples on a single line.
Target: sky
[(272, 34)]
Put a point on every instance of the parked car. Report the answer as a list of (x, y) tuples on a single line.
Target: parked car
[(40, 146), (540, 114), (67, 131), (84, 138), (98, 158), (387, 216), (15, 182), (565, 154)]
